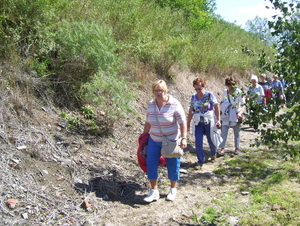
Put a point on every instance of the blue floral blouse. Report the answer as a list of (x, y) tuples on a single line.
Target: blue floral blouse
[(205, 104)]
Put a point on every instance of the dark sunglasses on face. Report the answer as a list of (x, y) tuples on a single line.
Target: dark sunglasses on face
[(159, 91)]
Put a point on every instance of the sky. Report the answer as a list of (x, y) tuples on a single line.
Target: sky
[(240, 11)]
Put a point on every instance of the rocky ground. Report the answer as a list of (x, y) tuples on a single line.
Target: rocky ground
[(51, 175)]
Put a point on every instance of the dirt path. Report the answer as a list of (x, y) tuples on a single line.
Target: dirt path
[(196, 191)]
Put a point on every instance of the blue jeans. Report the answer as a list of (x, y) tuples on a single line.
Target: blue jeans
[(152, 160), (200, 130)]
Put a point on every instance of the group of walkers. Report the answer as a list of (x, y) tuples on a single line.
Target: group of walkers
[(264, 95), (166, 117)]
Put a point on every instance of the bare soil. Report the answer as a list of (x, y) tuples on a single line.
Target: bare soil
[(60, 176)]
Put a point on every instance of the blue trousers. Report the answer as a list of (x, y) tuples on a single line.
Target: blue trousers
[(152, 160), (200, 130)]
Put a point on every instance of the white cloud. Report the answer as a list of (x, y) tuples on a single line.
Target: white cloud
[(249, 13)]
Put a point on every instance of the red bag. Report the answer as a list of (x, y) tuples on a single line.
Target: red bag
[(143, 141)]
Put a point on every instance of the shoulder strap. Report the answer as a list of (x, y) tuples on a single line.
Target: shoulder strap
[(157, 118), (228, 96)]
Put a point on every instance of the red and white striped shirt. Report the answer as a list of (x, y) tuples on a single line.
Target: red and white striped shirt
[(169, 117)]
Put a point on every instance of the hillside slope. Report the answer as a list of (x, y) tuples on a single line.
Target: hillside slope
[(59, 176)]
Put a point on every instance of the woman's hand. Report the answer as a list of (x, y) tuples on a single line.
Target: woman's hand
[(183, 143), (188, 128), (240, 116), (218, 124)]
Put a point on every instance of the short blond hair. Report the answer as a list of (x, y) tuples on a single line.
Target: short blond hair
[(254, 77), (160, 83)]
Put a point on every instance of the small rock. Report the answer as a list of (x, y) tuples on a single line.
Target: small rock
[(277, 207), (85, 204), (13, 164), (62, 124), (15, 161), (105, 197), (185, 215), (245, 193), (25, 215), (11, 203), (233, 220), (88, 223), (21, 147)]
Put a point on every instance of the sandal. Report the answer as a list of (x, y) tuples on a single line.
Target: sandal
[(221, 152)]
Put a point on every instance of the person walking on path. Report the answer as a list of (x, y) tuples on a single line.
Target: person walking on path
[(278, 91), (204, 108), (266, 86), (232, 108), (255, 100), (165, 117)]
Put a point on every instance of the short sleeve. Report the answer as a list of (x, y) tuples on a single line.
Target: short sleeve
[(213, 98)]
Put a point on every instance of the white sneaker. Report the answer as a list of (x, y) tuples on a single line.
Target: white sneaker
[(152, 196), (172, 194)]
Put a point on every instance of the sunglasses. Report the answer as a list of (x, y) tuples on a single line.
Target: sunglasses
[(159, 91)]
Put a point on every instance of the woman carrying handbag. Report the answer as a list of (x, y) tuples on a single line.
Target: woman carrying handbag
[(165, 117)]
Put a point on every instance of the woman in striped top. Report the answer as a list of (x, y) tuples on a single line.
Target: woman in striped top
[(172, 121), (204, 108)]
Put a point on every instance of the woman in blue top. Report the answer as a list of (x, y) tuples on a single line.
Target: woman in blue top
[(204, 108), (277, 89)]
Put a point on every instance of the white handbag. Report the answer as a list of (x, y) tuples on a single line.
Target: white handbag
[(171, 149)]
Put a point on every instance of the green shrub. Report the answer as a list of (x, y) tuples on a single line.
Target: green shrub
[(88, 112), (64, 115), (74, 121), (111, 94), (88, 43)]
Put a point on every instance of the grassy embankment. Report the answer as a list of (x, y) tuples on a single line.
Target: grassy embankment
[(95, 51)]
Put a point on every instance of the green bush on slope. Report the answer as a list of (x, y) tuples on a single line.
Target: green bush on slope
[(73, 43)]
